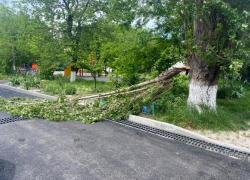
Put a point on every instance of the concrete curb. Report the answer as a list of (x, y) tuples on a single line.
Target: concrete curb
[(178, 130), (29, 92)]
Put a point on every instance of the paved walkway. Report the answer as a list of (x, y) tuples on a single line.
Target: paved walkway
[(86, 76), (45, 150), (4, 81), (7, 92)]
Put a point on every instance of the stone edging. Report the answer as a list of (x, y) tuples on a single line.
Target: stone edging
[(178, 130)]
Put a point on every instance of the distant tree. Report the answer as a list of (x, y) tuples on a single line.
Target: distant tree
[(137, 51), (68, 18)]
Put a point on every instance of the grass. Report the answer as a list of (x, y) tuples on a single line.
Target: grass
[(231, 115), (3, 76), (83, 87)]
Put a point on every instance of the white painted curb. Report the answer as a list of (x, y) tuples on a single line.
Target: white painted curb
[(29, 92), (178, 130)]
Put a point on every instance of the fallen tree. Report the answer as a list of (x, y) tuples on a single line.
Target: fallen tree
[(166, 75), (119, 104)]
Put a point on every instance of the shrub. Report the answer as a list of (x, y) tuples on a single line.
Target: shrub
[(15, 81), (238, 92), (230, 91), (70, 90)]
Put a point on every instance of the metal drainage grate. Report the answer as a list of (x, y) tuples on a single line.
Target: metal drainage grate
[(11, 119), (187, 140)]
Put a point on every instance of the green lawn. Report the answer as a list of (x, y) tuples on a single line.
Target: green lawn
[(83, 87), (232, 114)]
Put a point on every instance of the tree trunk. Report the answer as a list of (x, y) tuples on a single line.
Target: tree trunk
[(203, 79), (203, 84), (13, 57), (73, 74), (95, 82)]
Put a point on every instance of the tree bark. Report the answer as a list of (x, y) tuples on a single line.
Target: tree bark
[(203, 84), (203, 79), (73, 74)]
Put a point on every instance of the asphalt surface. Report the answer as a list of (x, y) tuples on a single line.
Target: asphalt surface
[(7, 93), (40, 149)]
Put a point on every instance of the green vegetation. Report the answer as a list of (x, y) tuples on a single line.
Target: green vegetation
[(56, 34), (232, 111), (61, 85), (4, 76), (231, 115), (26, 81)]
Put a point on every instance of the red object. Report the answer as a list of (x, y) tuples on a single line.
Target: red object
[(34, 66)]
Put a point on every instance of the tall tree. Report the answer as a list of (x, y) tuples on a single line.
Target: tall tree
[(67, 18), (218, 36), (213, 33)]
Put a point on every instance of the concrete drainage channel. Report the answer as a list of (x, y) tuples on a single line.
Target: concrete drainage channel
[(11, 119), (187, 140)]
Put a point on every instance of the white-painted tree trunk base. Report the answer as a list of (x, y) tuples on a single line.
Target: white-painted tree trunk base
[(202, 95), (73, 76)]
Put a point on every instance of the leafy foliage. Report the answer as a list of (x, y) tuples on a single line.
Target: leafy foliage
[(70, 90), (180, 85), (26, 81), (118, 107)]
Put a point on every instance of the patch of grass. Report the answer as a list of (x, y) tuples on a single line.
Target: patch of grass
[(4, 76), (231, 115), (83, 87)]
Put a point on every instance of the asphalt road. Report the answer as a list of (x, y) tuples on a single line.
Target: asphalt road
[(7, 92), (40, 149)]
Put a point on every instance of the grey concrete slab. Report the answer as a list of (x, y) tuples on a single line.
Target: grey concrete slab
[(40, 149)]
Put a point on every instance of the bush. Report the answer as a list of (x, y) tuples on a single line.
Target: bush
[(229, 91), (26, 81), (15, 81), (70, 90), (238, 92)]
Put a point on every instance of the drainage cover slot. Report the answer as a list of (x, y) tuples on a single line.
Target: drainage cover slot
[(11, 119)]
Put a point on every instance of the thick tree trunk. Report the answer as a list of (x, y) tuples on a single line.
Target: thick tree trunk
[(203, 79), (203, 84)]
